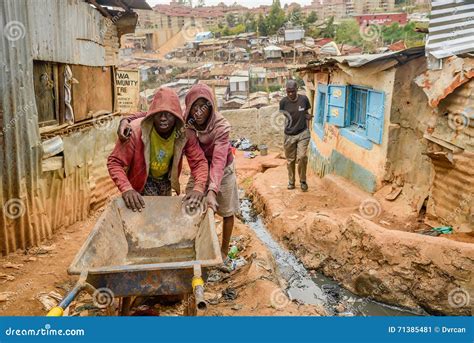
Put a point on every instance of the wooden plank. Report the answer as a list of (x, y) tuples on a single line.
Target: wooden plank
[(93, 93)]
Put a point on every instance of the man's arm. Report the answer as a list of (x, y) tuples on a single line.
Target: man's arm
[(219, 160), (197, 162), (117, 163), (309, 114)]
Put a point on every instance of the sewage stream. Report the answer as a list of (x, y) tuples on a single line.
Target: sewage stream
[(315, 289)]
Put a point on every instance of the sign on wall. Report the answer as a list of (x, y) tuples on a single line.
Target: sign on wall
[(127, 86)]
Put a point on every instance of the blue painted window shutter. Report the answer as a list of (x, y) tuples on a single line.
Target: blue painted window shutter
[(337, 105), (375, 116), (320, 110)]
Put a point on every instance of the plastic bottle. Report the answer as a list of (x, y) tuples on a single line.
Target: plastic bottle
[(233, 252)]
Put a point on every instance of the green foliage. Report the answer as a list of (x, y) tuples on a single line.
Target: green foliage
[(231, 20), (329, 29), (374, 36), (262, 25), (312, 17), (348, 32), (295, 17), (276, 18)]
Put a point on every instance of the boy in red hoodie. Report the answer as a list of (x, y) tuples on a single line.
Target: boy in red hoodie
[(149, 162), (212, 130)]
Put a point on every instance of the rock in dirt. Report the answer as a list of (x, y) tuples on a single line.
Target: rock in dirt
[(41, 250), (30, 259), (12, 265), (5, 296), (237, 307), (212, 298), (6, 277)]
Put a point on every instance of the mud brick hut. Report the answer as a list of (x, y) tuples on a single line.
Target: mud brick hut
[(379, 122)]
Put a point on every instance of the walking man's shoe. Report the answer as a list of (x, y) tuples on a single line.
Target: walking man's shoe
[(291, 186), (304, 186)]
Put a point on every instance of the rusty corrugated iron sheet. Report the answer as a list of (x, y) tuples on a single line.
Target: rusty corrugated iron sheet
[(68, 32), (438, 84), (451, 27), (33, 203), (452, 194)]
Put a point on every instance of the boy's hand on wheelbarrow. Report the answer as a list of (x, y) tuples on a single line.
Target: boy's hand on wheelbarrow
[(133, 200), (212, 200), (194, 198)]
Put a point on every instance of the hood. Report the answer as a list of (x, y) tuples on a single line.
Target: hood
[(166, 99), (200, 91)]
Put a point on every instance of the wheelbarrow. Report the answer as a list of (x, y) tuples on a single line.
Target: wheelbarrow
[(164, 250)]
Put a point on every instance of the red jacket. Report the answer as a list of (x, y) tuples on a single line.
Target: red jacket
[(214, 139), (129, 162)]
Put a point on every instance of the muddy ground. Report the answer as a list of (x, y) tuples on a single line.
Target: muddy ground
[(323, 228), (32, 281)]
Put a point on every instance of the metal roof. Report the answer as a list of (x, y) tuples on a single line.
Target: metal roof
[(451, 30), (357, 61), (136, 4)]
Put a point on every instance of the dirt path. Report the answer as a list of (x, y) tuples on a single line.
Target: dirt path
[(39, 271)]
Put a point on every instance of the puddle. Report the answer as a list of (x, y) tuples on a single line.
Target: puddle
[(314, 289)]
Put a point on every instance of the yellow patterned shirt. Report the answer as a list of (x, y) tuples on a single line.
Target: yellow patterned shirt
[(161, 154)]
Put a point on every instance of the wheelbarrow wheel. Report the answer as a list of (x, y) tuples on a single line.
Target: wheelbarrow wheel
[(190, 309)]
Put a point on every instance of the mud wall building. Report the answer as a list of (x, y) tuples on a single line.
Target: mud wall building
[(57, 113), (387, 120)]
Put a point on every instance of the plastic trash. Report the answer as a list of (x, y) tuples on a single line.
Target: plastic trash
[(233, 252), (443, 230)]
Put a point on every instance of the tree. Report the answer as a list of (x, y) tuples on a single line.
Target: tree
[(348, 32), (329, 31), (295, 17), (262, 25), (312, 17), (231, 19), (276, 17), (201, 3)]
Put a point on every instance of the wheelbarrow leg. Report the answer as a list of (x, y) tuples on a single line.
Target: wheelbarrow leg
[(126, 304), (189, 305)]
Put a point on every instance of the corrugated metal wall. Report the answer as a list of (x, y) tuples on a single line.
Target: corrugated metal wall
[(34, 204), (450, 30), (67, 31), (452, 192)]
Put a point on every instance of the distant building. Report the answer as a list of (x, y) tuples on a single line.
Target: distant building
[(294, 35), (272, 52), (201, 36), (381, 19), (238, 85)]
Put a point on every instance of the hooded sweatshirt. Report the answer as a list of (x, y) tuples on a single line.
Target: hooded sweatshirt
[(214, 139), (129, 163)]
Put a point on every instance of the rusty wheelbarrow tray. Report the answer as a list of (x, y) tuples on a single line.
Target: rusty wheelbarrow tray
[(159, 251)]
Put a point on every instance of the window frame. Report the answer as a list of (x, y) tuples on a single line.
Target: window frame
[(320, 109), (356, 133)]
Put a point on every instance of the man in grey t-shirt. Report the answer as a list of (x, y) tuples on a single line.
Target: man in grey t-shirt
[(296, 108)]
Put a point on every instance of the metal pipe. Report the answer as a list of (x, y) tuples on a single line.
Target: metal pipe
[(198, 288)]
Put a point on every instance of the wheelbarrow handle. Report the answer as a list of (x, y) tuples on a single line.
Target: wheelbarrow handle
[(198, 288), (58, 311)]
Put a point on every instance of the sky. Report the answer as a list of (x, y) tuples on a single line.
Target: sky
[(247, 3)]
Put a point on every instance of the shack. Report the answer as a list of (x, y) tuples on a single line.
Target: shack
[(58, 112)]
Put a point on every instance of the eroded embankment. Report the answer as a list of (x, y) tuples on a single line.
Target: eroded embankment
[(394, 267)]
